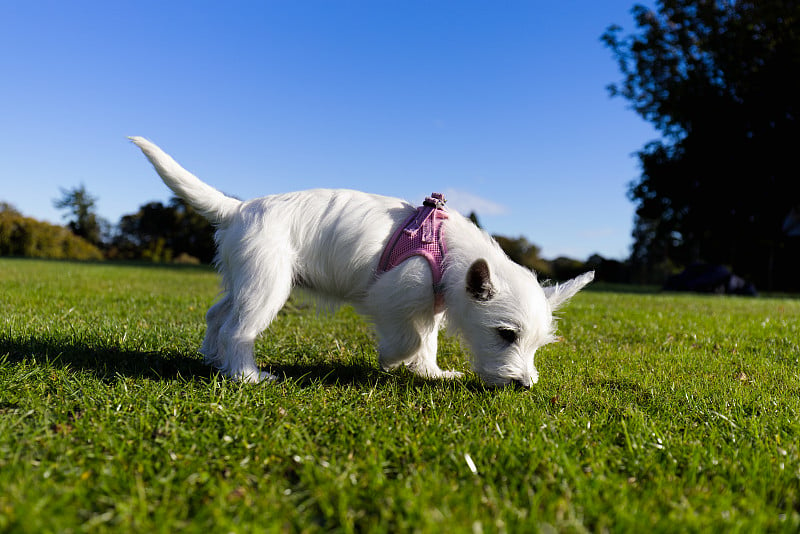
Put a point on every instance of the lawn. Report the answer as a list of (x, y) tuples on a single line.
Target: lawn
[(654, 412)]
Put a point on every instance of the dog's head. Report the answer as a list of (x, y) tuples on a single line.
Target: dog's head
[(506, 317)]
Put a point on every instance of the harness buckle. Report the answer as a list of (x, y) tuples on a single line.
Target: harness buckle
[(436, 201)]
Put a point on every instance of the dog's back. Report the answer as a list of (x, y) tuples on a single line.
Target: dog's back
[(335, 236)]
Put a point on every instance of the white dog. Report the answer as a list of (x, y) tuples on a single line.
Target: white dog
[(351, 246)]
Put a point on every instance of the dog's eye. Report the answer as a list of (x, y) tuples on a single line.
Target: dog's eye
[(507, 334)]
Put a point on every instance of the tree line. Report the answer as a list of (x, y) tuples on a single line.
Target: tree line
[(157, 232), (717, 78), (174, 232)]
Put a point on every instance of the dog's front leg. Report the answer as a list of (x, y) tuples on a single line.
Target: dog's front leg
[(398, 342), (424, 362), (413, 343), (401, 306)]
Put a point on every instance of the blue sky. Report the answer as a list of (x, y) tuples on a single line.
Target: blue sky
[(500, 105)]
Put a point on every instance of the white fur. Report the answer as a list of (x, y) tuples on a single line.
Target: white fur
[(329, 242)]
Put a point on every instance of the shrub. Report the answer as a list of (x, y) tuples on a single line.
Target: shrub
[(24, 236)]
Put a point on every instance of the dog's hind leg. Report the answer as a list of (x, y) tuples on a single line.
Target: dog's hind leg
[(259, 289), (215, 317)]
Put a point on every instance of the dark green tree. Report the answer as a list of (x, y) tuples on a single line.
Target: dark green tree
[(159, 232), (525, 253), (474, 218), (81, 214), (718, 79)]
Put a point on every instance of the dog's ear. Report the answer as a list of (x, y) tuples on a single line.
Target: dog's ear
[(479, 283), (558, 294)]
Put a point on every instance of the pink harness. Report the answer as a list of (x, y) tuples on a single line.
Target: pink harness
[(421, 235)]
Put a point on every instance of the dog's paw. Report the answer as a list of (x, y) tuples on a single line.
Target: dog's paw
[(436, 373), (264, 376), (252, 376), (451, 374), (258, 377)]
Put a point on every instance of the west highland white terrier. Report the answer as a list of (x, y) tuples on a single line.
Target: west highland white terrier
[(408, 270)]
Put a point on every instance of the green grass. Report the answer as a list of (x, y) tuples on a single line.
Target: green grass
[(655, 412)]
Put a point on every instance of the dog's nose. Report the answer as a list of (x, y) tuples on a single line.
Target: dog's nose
[(521, 383)]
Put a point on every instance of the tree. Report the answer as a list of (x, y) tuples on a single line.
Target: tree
[(162, 233), (717, 79), (523, 252), (83, 221), (474, 218)]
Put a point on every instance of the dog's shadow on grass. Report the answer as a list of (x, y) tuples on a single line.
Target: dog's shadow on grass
[(357, 374), (105, 361), (109, 361)]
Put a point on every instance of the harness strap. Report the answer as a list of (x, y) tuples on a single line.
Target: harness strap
[(420, 235)]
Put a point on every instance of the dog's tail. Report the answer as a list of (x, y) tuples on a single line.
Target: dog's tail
[(210, 203)]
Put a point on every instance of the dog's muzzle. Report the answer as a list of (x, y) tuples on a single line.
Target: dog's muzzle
[(521, 384)]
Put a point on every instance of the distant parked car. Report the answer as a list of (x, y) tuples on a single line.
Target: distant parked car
[(706, 278)]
